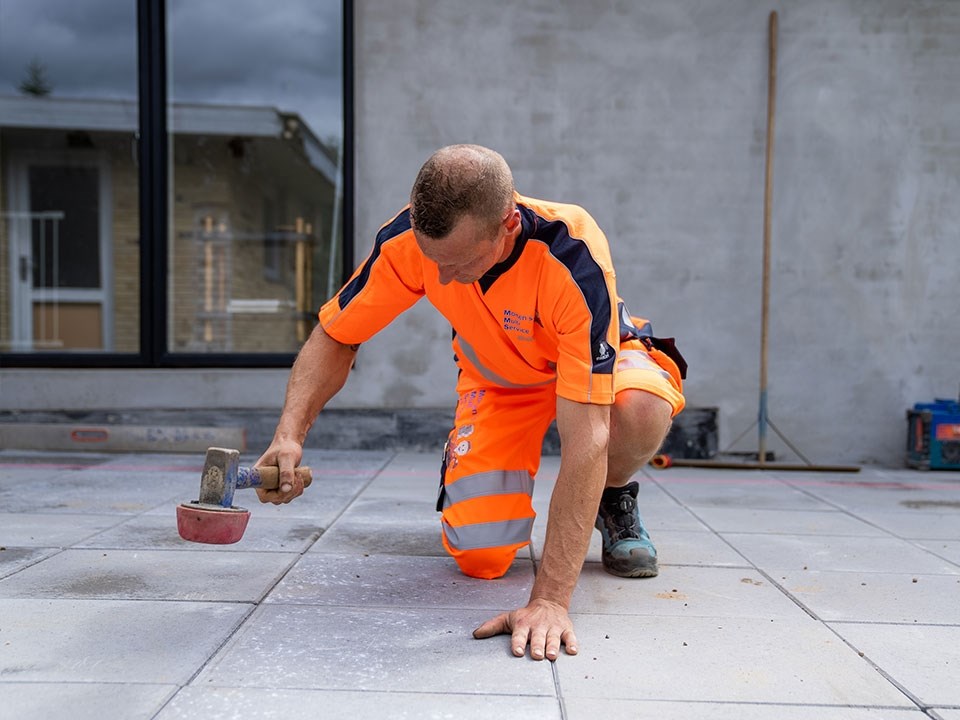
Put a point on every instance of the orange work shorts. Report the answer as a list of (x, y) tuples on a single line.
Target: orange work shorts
[(493, 453)]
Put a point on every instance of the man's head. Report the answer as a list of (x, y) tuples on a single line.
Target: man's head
[(463, 212)]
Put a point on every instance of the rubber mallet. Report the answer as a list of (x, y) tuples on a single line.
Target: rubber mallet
[(213, 519)]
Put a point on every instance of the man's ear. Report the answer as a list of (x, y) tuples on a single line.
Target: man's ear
[(513, 220)]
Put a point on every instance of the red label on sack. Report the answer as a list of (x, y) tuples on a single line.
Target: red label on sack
[(90, 435)]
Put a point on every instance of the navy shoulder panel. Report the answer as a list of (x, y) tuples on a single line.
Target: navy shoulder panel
[(399, 225), (575, 255)]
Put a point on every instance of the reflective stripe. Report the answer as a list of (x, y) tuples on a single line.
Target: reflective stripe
[(489, 374), (488, 535), (493, 482), (639, 360)]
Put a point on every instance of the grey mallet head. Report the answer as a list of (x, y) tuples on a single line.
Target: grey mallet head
[(219, 479)]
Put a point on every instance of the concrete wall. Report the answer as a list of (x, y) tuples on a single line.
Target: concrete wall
[(653, 116)]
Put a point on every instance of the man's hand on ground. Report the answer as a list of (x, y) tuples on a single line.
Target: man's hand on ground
[(286, 455), (542, 624)]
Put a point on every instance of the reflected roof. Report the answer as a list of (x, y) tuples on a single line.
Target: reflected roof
[(55, 113)]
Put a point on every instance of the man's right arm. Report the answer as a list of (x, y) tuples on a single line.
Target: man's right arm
[(318, 374)]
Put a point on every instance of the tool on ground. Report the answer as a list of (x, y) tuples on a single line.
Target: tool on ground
[(662, 461), (213, 519), (763, 415)]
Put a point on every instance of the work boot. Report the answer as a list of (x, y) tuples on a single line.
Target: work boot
[(627, 548)]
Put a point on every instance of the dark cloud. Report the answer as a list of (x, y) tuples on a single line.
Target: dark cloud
[(246, 52), (88, 48)]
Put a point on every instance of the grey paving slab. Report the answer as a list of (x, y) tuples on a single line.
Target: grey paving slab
[(922, 658), (411, 650), (96, 491), (347, 463), (828, 552), (388, 512), (680, 547), (159, 532), (682, 591), (866, 476), (150, 574), (13, 559), (915, 524), (392, 526), (414, 538), (46, 457), (53, 530), (593, 708), (19, 466), (881, 492), (191, 463), (217, 703), (396, 641), (660, 517), (877, 597), (949, 550), (796, 661), (82, 701), (111, 641), (786, 522), (407, 476), (399, 581), (704, 488)]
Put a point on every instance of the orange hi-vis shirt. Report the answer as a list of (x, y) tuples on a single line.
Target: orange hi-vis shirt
[(548, 313)]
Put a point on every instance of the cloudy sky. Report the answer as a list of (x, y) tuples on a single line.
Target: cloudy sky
[(281, 53)]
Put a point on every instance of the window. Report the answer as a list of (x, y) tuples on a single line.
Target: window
[(172, 179), (69, 208)]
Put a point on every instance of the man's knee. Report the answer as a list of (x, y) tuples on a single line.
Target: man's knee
[(640, 420), (487, 517), (488, 562), (485, 563)]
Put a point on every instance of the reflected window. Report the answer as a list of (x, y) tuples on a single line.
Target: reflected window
[(69, 208), (256, 127), (252, 223)]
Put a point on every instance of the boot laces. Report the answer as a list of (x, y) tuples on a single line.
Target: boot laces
[(624, 523)]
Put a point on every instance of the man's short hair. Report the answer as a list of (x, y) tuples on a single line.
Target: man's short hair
[(460, 180)]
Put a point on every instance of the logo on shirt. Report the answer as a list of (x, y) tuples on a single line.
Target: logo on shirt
[(519, 325), (602, 352)]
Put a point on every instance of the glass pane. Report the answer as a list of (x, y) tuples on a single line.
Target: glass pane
[(255, 122), (66, 252), (69, 199)]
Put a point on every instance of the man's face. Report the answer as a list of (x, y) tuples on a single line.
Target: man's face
[(468, 252)]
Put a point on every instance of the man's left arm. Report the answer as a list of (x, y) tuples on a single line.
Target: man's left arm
[(544, 623)]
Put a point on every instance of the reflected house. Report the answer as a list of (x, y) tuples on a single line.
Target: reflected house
[(253, 227)]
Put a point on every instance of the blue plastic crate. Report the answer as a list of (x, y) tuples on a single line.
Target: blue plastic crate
[(933, 435)]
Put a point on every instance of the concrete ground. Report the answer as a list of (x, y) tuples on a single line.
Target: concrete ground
[(781, 595)]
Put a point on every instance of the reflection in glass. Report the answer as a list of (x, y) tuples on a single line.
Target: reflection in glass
[(69, 209), (256, 108)]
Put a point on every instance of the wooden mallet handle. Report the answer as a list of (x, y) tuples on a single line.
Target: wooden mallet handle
[(270, 476)]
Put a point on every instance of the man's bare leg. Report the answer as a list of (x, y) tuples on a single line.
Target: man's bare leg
[(639, 423)]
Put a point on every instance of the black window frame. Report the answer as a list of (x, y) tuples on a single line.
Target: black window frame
[(153, 145)]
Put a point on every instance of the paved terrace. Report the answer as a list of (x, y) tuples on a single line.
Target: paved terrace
[(781, 595)]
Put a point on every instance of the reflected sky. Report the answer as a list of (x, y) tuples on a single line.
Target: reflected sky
[(283, 54)]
